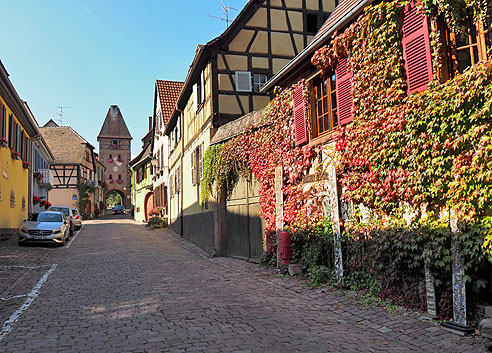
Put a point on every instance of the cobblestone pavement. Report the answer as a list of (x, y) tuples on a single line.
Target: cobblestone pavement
[(121, 287)]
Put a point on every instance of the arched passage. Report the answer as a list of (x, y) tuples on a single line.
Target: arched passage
[(148, 205), (113, 198)]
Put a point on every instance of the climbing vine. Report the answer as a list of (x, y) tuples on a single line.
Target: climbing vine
[(400, 155)]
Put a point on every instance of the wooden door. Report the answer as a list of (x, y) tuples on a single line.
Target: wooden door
[(244, 226)]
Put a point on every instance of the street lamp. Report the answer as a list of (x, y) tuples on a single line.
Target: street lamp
[(153, 161)]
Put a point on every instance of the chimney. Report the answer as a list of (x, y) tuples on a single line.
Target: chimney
[(150, 123)]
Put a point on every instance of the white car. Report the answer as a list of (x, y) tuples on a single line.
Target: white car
[(45, 227), (77, 218)]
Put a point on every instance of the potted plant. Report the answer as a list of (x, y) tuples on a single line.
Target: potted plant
[(111, 181), (26, 164), (3, 142), (47, 204), (155, 220), (110, 160), (39, 177), (120, 181)]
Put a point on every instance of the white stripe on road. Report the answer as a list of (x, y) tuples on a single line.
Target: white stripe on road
[(75, 236), (14, 297), (21, 266), (7, 326)]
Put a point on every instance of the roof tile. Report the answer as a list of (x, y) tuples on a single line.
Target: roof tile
[(168, 95), (114, 125)]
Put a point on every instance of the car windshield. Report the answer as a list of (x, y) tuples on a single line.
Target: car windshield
[(60, 209), (75, 212), (45, 217), (118, 207)]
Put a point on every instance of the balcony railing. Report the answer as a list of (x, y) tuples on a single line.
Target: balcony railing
[(45, 178)]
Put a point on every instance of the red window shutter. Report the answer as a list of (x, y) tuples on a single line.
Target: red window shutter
[(344, 91), (299, 115), (416, 49)]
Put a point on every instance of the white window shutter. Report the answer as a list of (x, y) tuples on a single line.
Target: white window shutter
[(202, 86), (195, 97), (243, 81)]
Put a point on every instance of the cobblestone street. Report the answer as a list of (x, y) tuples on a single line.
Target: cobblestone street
[(122, 287)]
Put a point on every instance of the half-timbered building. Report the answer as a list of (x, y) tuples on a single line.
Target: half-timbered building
[(74, 163), (165, 96), (223, 84)]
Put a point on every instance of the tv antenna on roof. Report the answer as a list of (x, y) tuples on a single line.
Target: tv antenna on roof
[(225, 10), (60, 114)]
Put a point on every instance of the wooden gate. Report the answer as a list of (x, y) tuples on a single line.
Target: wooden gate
[(244, 226)]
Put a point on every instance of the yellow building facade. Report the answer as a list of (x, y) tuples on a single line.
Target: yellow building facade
[(17, 130)]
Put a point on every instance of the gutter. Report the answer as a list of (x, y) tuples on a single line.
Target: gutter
[(314, 45)]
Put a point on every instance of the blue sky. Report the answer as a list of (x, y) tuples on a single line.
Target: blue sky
[(89, 54)]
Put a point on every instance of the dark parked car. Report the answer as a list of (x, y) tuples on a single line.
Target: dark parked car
[(119, 209)]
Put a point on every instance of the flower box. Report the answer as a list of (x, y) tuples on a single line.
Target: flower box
[(120, 181), (111, 181), (3, 142), (39, 177), (36, 200), (26, 165), (15, 155), (110, 160)]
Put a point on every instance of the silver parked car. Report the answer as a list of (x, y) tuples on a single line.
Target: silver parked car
[(67, 211), (45, 227), (77, 218)]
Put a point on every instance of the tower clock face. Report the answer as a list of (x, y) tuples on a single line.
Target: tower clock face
[(115, 169)]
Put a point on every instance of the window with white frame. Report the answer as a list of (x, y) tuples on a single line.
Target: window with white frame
[(243, 81), (259, 81)]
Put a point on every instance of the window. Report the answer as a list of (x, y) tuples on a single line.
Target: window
[(11, 131), (323, 105), (18, 138), (259, 81), (171, 185), (199, 92), (243, 81), (473, 44), (3, 120), (312, 23), (193, 169), (197, 164), (200, 162)]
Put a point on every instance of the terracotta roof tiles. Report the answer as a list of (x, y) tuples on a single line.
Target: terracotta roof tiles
[(168, 95), (65, 143)]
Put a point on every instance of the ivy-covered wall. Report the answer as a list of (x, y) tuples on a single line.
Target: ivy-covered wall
[(406, 158)]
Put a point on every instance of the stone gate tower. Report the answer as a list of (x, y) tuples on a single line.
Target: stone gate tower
[(115, 154)]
